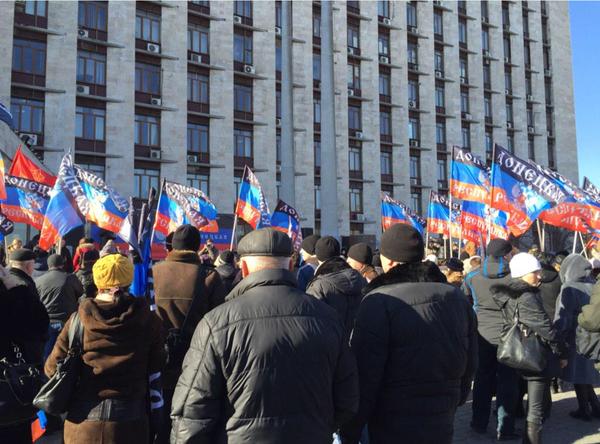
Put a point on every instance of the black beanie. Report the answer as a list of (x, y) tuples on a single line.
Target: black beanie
[(361, 252), (227, 257), (186, 237), (326, 248), (309, 242), (498, 248), (455, 264), (402, 243)]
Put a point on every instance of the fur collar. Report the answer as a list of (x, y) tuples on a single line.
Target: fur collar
[(404, 273), (9, 280), (332, 265), (186, 256), (514, 289)]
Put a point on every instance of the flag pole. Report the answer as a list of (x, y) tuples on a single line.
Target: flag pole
[(492, 189), (450, 226), (427, 224), (574, 241), (540, 237), (235, 217), (162, 186), (584, 245)]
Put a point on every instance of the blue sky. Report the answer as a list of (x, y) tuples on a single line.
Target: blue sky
[(585, 35)]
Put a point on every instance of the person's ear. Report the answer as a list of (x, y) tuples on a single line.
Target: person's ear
[(244, 267)]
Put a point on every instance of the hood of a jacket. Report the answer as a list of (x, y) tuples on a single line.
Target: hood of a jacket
[(405, 273), (226, 271), (575, 268), (337, 271), (513, 289), (494, 268), (185, 256), (263, 278), (549, 274)]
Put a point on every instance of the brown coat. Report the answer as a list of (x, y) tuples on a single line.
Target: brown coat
[(122, 344)]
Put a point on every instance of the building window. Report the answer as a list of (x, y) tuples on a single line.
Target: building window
[(278, 104), (197, 138), (353, 76), (198, 39), (356, 201), (413, 128), (91, 67), (505, 15), (243, 142), (92, 15), (317, 153), (317, 197), (354, 118), (384, 84), (147, 26), (29, 56), (438, 59), (90, 123), (242, 98), (411, 14), (385, 124), (528, 86), (147, 130), (440, 133), (317, 110), (243, 8), (489, 144), (485, 39), (485, 10), (197, 88), (413, 91), (510, 142), (316, 25), (438, 23), (144, 180), (354, 159), (147, 78), (530, 119), (386, 163), (464, 69), (508, 81), (487, 77), (353, 36), (531, 149), (242, 47), (464, 102), (37, 8), (415, 200), (506, 42), (278, 14), (440, 101), (278, 55), (487, 106), (509, 112), (466, 137), (442, 172), (551, 155), (198, 181), (462, 32), (384, 45), (383, 8), (316, 66), (412, 55), (28, 115), (415, 168)]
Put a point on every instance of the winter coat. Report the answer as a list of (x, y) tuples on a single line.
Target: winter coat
[(550, 289), (86, 277), (24, 279), (415, 341), (575, 293), (59, 292), (228, 274), (23, 322), (369, 273), (532, 315), (269, 366), (305, 274), (123, 342), (589, 318), (493, 271), (339, 286)]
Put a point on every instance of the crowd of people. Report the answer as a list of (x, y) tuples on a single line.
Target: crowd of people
[(265, 345)]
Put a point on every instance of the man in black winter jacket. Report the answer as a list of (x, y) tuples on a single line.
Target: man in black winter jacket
[(492, 376), (415, 341), (336, 283), (269, 366)]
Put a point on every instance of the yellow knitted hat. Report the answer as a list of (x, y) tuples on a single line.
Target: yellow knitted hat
[(113, 270)]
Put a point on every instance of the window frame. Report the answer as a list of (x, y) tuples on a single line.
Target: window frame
[(84, 59), (145, 19), (36, 50), (148, 78), (197, 132), (35, 114), (150, 125), (147, 175), (87, 116), (88, 15), (244, 135)]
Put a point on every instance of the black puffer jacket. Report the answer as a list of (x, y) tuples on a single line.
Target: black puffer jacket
[(493, 271), (228, 273), (269, 366), (550, 289), (415, 342), (531, 314), (340, 286), (59, 292)]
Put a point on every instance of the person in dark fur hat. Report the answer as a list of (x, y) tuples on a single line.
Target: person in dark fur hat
[(415, 341)]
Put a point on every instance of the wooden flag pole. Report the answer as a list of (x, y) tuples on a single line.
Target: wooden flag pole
[(574, 241), (450, 226), (233, 236), (540, 238)]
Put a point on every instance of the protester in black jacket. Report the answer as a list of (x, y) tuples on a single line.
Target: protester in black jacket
[(85, 274), (549, 288), (269, 366), (225, 266), (523, 291), (492, 376), (336, 283), (415, 341), (22, 266)]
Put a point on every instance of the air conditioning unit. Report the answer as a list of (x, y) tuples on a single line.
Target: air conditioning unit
[(412, 103), (437, 2), (237, 19), (278, 121), (509, 125), (506, 59), (29, 139), (360, 217), (278, 168), (466, 116), (153, 47), (550, 133), (155, 154), (359, 135), (196, 58), (249, 69), (156, 101), (439, 74), (414, 143), (529, 98), (387, 21), (464, 80), (506, 27), (485, 19), (486, 61), (486, 53), (83, 33), (412, 29), (350, 92), (384, 59), (277, 30), (507, 92), (83, 89), (192, 158), (350, 50), (530, 129), (547, 72)]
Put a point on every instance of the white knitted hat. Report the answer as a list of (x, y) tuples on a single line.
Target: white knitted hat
[(523, 264)]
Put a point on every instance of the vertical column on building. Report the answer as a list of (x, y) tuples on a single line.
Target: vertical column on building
[(302, 13), (517, 62), (477, 127), (452, 73), (173, 142), (399, 94), (497, 73), (562, 85), (264, 98), (537, 83), (7, 17), (61, 70), (120, 83), (222, 190)]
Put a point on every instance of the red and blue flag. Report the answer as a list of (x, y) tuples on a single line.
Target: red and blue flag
[(438, 214), (395, 212), (469, 178), (477, 218), (251, 205), (286, 219)]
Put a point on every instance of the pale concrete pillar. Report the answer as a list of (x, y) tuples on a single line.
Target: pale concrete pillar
[(7, 17)]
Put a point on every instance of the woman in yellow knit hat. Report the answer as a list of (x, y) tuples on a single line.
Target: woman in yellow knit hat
[(123, 343)]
